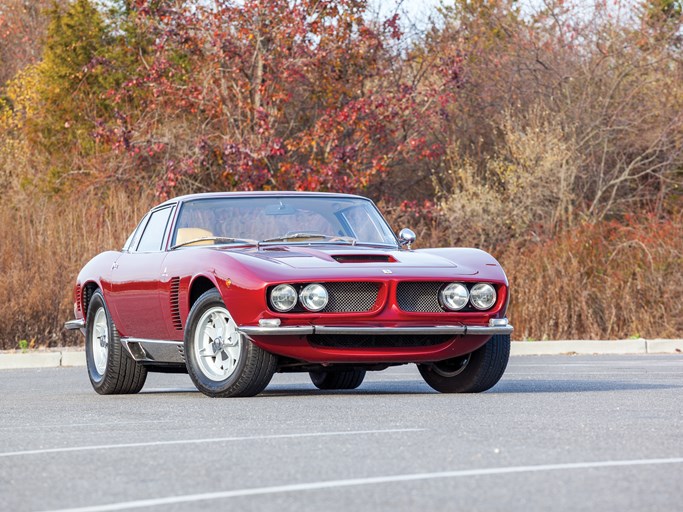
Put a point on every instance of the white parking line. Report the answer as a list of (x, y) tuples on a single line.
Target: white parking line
[(211, 440), (331, 484)]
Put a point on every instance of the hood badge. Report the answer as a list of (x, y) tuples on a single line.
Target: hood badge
[(386, 271)]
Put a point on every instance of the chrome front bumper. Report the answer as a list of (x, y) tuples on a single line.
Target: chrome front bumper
[(496, 326)]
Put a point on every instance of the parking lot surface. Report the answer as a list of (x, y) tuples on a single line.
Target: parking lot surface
[(557, 433)]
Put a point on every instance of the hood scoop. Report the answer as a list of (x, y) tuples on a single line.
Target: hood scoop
[(364, 258)]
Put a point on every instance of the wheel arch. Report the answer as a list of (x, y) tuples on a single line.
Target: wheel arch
[(87, 291), (198, 286)]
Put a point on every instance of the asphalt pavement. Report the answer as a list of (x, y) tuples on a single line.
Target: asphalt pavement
[(557, 433)]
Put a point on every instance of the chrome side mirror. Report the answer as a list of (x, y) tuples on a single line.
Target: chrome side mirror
[(406, 237)]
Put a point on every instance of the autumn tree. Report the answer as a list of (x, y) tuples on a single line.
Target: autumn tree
[(561, 117), (23, 24), (273, 94), (57, 104)]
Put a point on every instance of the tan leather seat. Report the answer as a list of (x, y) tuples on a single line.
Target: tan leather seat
[(187, 234)]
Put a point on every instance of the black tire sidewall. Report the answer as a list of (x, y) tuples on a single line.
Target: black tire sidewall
[(122, 375), (96, 302), (484, 369)]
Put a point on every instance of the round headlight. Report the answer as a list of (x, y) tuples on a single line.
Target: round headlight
[(483, 296), (455, 296), (283, 297), (314, 297)]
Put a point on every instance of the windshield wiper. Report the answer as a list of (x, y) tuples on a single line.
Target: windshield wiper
[(307, 236), (219, 239)]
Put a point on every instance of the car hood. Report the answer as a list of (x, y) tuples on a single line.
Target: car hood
[(342, 257)]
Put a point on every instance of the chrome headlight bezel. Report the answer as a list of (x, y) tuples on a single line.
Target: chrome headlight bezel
[(481, 291), (277, 298), (452, 292), (314, 297)]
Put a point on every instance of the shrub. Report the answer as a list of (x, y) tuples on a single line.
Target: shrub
[(599, 281), (45, 243)]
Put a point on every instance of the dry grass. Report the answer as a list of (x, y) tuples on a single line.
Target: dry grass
[(604, 280), (601, 281), (44, 245)]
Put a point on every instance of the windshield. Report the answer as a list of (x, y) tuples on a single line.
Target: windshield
[(277, 219)]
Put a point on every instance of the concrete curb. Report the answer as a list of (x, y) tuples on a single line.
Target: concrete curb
[(587, 347), (57, 358), (10, 361), (533, 348), (73, 358)]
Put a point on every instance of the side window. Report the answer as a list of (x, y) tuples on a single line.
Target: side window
[(134, 237), (153, 236)]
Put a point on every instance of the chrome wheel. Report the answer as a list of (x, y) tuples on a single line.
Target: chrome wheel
[(217, 344), (100, 341), (221, 362)]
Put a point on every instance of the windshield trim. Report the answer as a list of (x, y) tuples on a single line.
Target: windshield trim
[(271, 195)]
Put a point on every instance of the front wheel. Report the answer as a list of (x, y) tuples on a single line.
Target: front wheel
[(471, 373), (220, 360), (111, 370)]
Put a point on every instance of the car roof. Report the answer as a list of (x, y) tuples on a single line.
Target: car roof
[(213, 195)]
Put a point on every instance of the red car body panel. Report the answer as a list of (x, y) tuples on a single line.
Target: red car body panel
[(139, 289)]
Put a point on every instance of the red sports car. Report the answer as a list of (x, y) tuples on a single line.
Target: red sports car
[(233, 287)]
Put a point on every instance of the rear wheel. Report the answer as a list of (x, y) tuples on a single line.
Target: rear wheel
[(110, 368), (346, 379), (471, 373), (220, 361)]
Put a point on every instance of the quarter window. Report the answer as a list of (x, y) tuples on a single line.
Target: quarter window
[(153, 236)]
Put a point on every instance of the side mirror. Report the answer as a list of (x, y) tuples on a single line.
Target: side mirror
[(406, 237)]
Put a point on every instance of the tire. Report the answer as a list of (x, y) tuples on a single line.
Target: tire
[(111, 370), (220, 361), (346, 379), (471, 373)]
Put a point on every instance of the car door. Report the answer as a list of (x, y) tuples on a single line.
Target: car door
[(136, 281)]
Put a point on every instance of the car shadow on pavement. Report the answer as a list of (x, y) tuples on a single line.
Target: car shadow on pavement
[(416, 387), (399, 387), (503, 387)]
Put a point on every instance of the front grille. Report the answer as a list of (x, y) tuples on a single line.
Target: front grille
[(423, 297), (419, 296), (351, 297), (377, 340)]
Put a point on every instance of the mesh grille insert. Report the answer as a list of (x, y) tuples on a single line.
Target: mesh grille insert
[(351, 297), (419, 296)]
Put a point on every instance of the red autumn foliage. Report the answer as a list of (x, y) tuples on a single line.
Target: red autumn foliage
[(274, 95)]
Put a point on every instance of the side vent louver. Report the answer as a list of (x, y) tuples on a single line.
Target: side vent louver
[(175, 304), (79, 297)]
